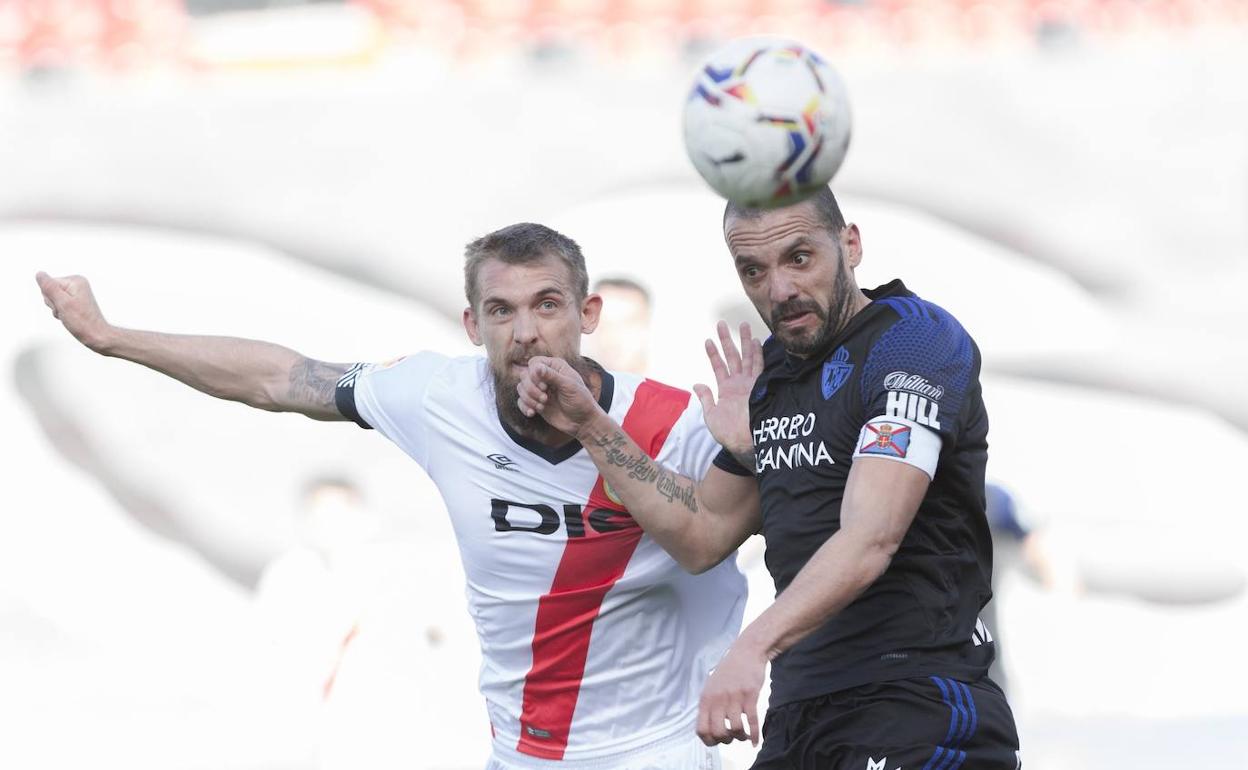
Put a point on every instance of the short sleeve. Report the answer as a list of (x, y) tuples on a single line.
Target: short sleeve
[(920, 370), (390, 397)]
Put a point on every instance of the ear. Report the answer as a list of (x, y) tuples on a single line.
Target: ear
[(851, 243), (470, 326), (591, 312)]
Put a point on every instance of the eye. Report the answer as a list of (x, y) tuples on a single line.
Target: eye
[(549, 304), (751, 271), (499, 311), (801, 258)]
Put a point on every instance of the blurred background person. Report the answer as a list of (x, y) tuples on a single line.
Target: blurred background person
[(307, 599), (622, 339)]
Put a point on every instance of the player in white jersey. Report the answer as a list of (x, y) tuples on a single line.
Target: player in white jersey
[(595, 643)]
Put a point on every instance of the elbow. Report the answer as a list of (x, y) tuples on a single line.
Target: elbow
[(695, 563), (875, 560), (268, 396)]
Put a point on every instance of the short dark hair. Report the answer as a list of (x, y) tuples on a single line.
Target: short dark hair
[(825, 205), (620, 282), (521, 244)]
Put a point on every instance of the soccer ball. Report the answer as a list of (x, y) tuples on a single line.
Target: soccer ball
[(767, 121)]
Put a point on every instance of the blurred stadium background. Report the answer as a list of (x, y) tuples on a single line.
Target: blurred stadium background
[(1070, 177)]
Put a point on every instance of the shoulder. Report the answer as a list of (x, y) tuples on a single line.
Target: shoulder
[(915, 326), (918, 314), (633, 393), (423, 365)]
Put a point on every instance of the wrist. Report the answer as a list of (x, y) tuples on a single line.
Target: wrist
[(105, 340), (598, 427), (754, 644)]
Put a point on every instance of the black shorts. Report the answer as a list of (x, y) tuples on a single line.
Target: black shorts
[(932, 723)]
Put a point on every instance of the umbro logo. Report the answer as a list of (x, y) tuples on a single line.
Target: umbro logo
[(503, 462)]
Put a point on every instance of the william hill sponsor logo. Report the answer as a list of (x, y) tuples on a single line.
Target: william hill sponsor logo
[(914, 384)]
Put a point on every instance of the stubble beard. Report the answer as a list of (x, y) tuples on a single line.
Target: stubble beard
[(840, 309)]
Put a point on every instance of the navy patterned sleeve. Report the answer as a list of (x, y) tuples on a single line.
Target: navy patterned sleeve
[(921, 369)]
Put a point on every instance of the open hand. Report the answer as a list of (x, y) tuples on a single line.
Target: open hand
[(735, 373)]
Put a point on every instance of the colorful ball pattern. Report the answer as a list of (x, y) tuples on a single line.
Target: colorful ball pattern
[(767, 121)]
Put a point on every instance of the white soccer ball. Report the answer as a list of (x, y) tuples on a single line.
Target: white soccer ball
[(766, 122)]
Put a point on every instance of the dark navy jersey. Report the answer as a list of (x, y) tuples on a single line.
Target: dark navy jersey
[(906, 362)]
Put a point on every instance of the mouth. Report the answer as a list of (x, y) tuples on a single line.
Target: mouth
[(794, 319), (519, 366)]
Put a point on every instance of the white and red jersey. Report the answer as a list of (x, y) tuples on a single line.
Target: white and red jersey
[(593, 640)]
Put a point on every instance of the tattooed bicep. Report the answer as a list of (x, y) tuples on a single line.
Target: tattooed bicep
[(312, 385)]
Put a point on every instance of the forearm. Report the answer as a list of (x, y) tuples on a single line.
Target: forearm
[(260, 374), (838, 573), (671, 508)]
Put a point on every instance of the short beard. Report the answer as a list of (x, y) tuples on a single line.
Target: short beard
[(506, 399), (840, 309)]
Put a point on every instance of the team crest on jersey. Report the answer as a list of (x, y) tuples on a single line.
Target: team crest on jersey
[(836, 371), (610, 492), (887, 439)]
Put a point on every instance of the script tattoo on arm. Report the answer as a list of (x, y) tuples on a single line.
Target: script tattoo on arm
[(313, 382), (642, 468)]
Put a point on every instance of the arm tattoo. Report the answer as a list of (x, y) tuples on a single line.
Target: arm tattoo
[(313, 382), (642, 468)]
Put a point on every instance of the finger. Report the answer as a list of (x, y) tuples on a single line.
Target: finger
[(758, 365), (546, 370), (731, 355), (529, 391), (735, 728), (704, 725), (528, 404), (46, 284), (705, 397), (751, 714), (719, 719), (717, 363), (747, 345)]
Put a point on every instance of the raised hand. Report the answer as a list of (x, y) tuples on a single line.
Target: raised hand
[(735, 372), (74, 305), (553, 389)]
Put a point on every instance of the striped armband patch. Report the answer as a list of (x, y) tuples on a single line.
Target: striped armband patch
[(899, 439), (344, 395)]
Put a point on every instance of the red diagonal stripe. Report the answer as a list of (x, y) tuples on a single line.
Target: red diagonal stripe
[(589, 568)]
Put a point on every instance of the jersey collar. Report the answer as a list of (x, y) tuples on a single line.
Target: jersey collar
[(557, 454)]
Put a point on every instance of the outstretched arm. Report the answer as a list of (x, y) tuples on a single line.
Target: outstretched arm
[(259, 374), (699, 524)]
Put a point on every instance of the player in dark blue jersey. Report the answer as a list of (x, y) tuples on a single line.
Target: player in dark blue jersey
[(856, 440)]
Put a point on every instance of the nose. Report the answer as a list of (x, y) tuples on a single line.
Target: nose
[(524, 328), (780, 288)]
